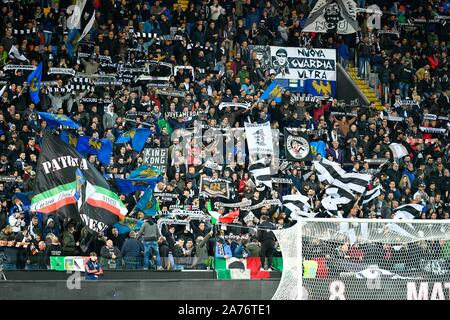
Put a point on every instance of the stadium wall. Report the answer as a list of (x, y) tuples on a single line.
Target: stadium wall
[(194, 289)]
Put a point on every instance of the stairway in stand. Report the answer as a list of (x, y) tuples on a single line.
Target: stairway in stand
[(184, 4), (363, 85)]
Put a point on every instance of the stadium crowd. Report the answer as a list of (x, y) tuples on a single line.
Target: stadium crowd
[(216, 39)]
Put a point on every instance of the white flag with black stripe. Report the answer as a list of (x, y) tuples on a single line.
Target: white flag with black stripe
[(335, 175), (408, 211), (83, 17), (337, 192), (398, 150), (261, 171), (15, 54), (331, 204), (372, 194), (299, 206)]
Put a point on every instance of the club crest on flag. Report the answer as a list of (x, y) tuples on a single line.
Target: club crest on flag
[(149, 204), (94, 143), (274, 91), (297, 146), (130, 133), (149, 172), (332, 16), (34, 81), (321, 88)]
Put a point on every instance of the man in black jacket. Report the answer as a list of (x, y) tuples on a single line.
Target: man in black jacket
[(267, 239), (384, 76)]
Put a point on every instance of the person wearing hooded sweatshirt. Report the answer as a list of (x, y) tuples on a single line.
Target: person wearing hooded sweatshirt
[(51, 228), (151, 234)]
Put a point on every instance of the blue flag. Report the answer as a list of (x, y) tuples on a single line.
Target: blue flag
[(69, 138), (128, 224), (137, 136), (317, 147), (273, 92), (25, 197), (102, 148), (34, 82), (320, 87), (127, 186), (56, 120), (148, 204), (144, 172)]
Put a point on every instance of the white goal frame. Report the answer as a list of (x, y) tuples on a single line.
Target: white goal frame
[(296, 230)]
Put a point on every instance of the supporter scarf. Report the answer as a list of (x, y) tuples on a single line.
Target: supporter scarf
[(172, 93), (24, 31), (234, 105), (245, 203), (66, 71), (18, 67), (433, 130), (400, 103), (430, 116), (275, 202), (393, 32)]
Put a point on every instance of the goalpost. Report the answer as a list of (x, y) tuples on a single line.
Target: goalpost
[(365, 259)]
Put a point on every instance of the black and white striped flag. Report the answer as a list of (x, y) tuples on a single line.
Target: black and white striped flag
[(337, 192), (261, 171), (331, 204), (335, 175), (298, 205), (372, 194), (408, 211), (87, 18)]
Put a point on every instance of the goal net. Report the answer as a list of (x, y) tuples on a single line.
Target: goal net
[(362, 259)]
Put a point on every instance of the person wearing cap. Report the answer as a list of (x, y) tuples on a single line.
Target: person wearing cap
[(50, 228)]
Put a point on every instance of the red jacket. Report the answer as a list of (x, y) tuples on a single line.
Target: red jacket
[(318, 112), (433, 62)]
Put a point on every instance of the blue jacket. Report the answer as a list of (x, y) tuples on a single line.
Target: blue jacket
[(343, 51), (409, 174), (132, 248), (240, 250)]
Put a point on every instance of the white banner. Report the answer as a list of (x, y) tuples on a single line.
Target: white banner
[(338, 16), (259, 139), (303, 63)]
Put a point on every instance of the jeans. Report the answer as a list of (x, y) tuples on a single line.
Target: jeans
[(404, 89), (189, 26), (151, 247), (47, 38), (362, 66), (343, 62)]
